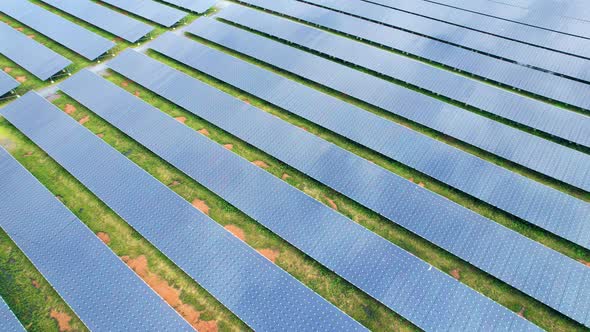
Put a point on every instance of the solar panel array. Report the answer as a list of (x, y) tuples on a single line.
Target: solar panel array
[(550, 22), (116, 23), (510, 74), (556, 121), (8, 321), (525, 54), (575, 9), (150, 10), (543, 156), (555, 211), (197, 6), (7, 83), (94, 282), (398, 279), (29, 54), (523, 33), (257, 291), (458, 230), (67, 33)]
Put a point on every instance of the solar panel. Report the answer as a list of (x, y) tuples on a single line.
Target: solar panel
[(511, 30), (29, 54), (553, 22), (510, 74), (543, 156), (382, 191), (94, 282), (150, 10), (534, 114), (100, 16), (55, 27), (257, 291), (363, 258), (8, 321), (540, 205), (573, 9), (197, 6), (527, 55), (7, 83)]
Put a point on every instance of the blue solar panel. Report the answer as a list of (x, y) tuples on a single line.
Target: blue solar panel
[(365, 259), (81, 268), (550, 22), (359, 179), (553, 120), (543, 156), (510, 74), (257, 291), (524, 33), (540, 205), (197, 6), (578, 10), (55, 27), (8, 321), (151, 10), (27, 53), (116, 23), (7, 83)]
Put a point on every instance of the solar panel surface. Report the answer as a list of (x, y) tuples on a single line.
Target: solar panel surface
[(8, 321), (7, 83), (151, 10), (543, 156), (71, 257), (86, 43), (550, 209), (438, 220), (365, 259), (257, 291), (197, 6), (29, 54), (553, 120), (510, 74), (100, 16)]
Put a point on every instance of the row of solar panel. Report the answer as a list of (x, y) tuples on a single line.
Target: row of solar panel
[(74, 261), (551, 210), (7, 83), (570, 126), (8, 321), (549, 58), (525, 33), (438, 220), (510, 74), (391, 275), (545, 19), (538, 154), (261, 294)]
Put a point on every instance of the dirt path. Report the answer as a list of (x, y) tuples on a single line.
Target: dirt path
[(62, 319)]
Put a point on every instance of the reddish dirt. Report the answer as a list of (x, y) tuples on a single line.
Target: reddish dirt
[(7, 69), (585, 262), (62, 319), (53, 97), (270, 254), (411, 179), (104, 237), (174, 183), (170, 294), (117, 39), (31, 36), (245, 100), (19, 29), (421, 184), (201, 206), (84, 119), (305, 129), (180, 119), (237, 231), (100, 135), (456, 273), (521, 312), (285, 176), (136, 93), (204, 131), (228, 146), (260, 163), (28, 154), (69, 109), (124, 84), (21, 79), (331, 203), (35, 283)]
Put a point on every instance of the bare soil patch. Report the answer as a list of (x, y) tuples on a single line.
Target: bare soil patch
[(521, 312), (270, 254), (421, 184), (411, 180), (201, 205), (124, 84), (456, 273), (101, 135), (136, 93), (53, 97), (69, 109), (62, 319), (104, 237), (228, 146), (174, 183), (180, 119), (28, 154), (331, 203), (35, 283), (31, 36), (84, 119), (584, 262), (204, 131), (20, 29), (236, 231), (285, 176), (21, 79), (260, 163), (7, 69)]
